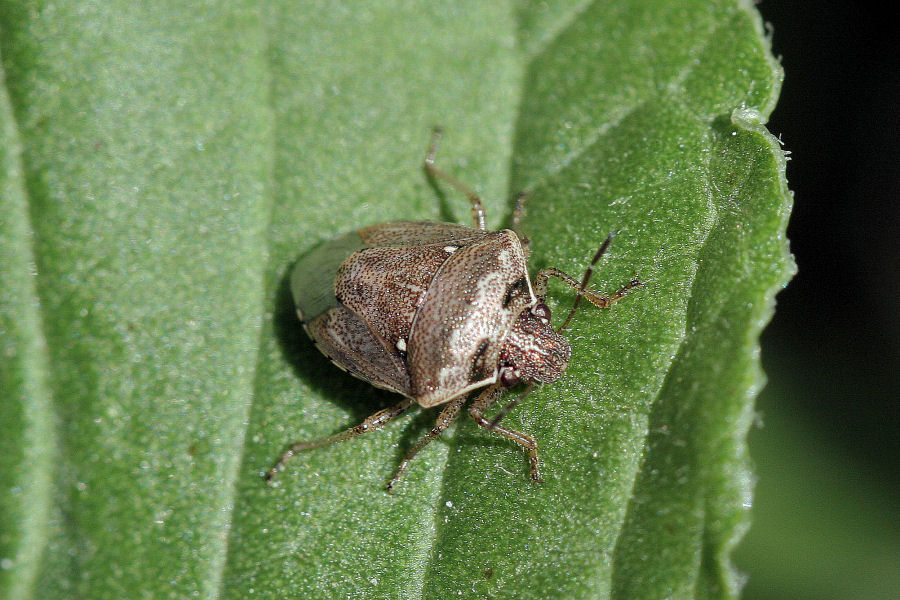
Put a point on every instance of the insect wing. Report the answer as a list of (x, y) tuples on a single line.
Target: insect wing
[(385, 287), (337, 332), (418, 233), (418, 308), (467, 312), (354, 347)]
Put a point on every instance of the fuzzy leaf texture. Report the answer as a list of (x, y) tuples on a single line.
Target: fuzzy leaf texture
[(163, 165)]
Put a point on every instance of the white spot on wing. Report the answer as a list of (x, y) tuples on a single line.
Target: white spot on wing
[(401, 345), (489, 280)]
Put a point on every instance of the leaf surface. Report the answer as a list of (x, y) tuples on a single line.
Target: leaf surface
[(164, 165)]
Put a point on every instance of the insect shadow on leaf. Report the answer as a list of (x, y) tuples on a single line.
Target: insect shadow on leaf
[(311, 366)]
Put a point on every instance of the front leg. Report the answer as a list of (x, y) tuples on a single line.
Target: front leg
[(486, 399), (595, 298), (599, 300)]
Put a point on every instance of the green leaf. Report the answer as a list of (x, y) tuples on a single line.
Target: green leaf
[(162, 167), (26, 415)]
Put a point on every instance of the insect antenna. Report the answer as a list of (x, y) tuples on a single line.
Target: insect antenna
[(585, 280), (594, 298)]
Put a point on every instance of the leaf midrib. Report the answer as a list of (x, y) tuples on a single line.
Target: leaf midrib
[(597, 135), (45, 468), (233, 477)]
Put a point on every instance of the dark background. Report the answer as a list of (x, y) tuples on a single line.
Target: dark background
[(827, 503)]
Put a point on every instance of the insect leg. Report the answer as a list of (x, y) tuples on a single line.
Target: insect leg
[(595, 298), (373, 422), (443, 421), (516, 220), (477, 207), (476, 410)]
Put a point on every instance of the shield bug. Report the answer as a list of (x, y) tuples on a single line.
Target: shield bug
[(436, 312)]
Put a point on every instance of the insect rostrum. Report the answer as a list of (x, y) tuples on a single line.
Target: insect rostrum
[(436, 312)]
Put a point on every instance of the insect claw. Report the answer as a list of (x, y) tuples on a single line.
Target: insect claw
[(271, 473)]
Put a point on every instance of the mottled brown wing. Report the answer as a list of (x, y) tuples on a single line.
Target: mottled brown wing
[(384, 281), (354, 347), (385, 287), (464, 317), (453, 288), (417, 233)]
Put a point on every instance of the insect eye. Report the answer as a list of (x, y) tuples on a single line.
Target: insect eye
[(541, 311), (508, 377)]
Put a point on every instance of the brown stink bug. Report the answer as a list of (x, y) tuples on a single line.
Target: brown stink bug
[(436, 312)]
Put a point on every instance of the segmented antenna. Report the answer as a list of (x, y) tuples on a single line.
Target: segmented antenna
[(585, 280)]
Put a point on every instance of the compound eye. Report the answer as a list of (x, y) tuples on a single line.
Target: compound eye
[(541, 311), (509, 377)]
